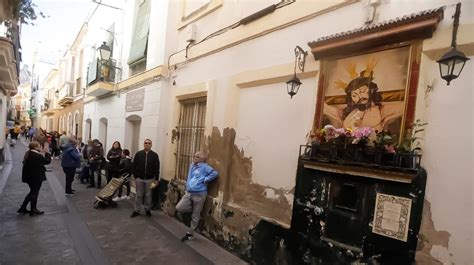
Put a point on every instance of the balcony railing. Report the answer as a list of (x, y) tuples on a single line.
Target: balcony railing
[(66, 94), (98, 72), (11, 33)]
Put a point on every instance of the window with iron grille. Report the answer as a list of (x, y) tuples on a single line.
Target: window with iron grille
[(191, 133)]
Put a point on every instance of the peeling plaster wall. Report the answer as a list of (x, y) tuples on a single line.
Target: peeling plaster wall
[(430, 241)]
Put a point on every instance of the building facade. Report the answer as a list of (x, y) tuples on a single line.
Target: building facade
[(212, 75), (20, 103), (229, 62), (9, 64)]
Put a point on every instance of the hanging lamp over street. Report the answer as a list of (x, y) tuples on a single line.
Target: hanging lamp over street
[(293, 85), (452, 63)]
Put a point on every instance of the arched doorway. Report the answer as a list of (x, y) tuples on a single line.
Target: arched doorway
[(77, 120), (69, 124), (88, 129), (50, 125), (132, 133), (44, 122), (63, 124), (103, 132)]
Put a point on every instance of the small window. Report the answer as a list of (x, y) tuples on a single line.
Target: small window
[(347, 198), (78, 86), (138, 67)]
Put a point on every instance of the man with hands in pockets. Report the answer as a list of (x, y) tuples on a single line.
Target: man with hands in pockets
[(200, 174)]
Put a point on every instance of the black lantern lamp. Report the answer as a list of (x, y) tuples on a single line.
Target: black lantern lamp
[(104, 52), (452, 63), (293, 85)]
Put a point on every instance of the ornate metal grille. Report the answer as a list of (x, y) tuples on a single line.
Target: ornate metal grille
[(191, 133)]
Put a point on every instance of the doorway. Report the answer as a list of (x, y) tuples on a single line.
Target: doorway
[(103, 132), (132, 133), (88, 129)]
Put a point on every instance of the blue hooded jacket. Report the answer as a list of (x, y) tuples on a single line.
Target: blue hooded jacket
[(199, 175), (71, 157)]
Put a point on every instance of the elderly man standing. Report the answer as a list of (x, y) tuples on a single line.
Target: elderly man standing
[(146, 169), (200, 174)]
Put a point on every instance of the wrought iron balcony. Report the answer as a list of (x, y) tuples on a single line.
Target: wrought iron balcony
[(66, 94), (9, 57), (101, 78)]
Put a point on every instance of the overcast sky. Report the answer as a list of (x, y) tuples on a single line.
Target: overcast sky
[(52, 35)]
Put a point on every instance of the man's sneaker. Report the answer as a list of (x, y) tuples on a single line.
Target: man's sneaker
[(69, 193), (148, 213), (117, 199), (134, 214), (125, 197), (187, 237)]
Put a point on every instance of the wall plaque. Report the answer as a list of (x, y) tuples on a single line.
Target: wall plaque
[(392, 216), (134, 100)]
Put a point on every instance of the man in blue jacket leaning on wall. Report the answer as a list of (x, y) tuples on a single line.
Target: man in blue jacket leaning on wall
[(200, 174)]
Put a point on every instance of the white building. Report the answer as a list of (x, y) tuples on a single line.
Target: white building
[(212, 75)]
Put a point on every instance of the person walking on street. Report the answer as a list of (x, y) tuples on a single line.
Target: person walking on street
[(63, 140), (200, 174), (70, 161), (33, 174), (146, 169), (113, 155), (31, 133), (55, 152)]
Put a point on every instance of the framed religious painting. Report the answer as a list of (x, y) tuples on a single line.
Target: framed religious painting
[(375, 89)]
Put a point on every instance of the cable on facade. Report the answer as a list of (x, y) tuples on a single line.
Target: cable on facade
[(244, 21)]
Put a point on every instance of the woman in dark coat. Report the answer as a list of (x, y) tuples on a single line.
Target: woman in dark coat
[(114, 156), (33, 174)]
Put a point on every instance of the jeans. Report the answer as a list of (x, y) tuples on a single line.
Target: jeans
[(95, 167), (143, 195), (195, 203)]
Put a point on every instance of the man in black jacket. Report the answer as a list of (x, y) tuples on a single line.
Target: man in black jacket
[(146, 169)]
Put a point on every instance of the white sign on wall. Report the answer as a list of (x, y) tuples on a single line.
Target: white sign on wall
[(392, 216), (134, 100)]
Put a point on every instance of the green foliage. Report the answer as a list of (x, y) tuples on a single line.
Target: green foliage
[(24, 11), (411, 142), (383, 139)]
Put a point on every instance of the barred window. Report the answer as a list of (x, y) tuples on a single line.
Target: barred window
[(191, 133)]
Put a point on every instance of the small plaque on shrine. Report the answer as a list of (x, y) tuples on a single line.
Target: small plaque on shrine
[(392, 216)]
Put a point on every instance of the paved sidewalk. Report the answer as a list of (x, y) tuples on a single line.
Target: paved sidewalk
[(73, 232)]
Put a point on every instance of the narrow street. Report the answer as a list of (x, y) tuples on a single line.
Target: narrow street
[(72, 232)]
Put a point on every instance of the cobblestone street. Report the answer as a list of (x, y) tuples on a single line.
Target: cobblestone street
[(72, 232)]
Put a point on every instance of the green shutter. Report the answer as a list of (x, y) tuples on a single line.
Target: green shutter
[(140, 33)]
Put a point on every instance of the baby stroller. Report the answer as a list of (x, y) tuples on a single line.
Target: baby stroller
[(105, 196)]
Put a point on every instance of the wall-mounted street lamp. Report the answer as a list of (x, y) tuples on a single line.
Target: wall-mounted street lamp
[(56, 93), (104, 52), (452, 63), (293, 85)]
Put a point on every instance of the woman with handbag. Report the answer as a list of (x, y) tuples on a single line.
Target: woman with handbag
[(33, 174)]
